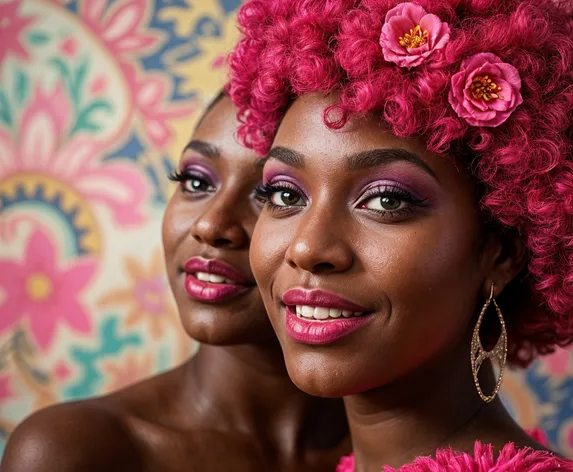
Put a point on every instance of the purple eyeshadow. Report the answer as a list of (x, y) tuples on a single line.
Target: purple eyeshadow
[(190, 165)]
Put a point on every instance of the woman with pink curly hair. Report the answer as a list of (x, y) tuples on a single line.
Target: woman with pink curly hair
[(418, 220)]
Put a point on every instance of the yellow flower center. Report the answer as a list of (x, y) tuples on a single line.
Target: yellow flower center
[(39, 287), (415, 38), (483, 88)]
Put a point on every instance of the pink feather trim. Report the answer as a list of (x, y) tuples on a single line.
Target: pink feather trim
[(511, 459)]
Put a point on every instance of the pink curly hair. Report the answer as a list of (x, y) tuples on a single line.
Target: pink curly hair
[(525, 166)]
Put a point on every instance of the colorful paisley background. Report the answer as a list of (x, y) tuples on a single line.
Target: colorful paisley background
[(97, 99)]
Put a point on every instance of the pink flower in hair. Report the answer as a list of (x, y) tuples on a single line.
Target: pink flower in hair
[(411, 36), (486, 90)]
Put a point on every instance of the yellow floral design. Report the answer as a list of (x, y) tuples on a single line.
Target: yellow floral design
[(206, 72)]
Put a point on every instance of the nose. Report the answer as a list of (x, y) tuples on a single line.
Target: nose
[(221, 225), (319, 246)]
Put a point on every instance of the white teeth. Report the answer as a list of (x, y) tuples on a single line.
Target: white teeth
[(307, 311), (216, 279), (212, 278), (334, 313), (323, 313)]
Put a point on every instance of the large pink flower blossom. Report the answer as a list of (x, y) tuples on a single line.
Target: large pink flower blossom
[(42, 292), (11, 27), (150, 97), (41, 148), (5, 389), (486, 90), (121, 26), (410, 36)]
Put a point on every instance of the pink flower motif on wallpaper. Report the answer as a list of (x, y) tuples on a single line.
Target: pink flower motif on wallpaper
[(69, 47), (150, 100), (122, 26), (42, 292), (12, 25), (5, 388), (41, 147)]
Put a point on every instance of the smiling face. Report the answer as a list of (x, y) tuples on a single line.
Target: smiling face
[(207, 233), (368, 254)]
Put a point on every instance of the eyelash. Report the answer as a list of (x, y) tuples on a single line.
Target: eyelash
[(395, 193), (265, 191), (183, 176)]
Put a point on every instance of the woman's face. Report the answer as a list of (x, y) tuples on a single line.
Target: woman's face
[(207, 233), (367, 254)]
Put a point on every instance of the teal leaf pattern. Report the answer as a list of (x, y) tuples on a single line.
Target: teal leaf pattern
[(85, 116), (5, 111), (38, 38), (111, 343), (21, 87)]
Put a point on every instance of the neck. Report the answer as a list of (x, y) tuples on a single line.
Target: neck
[(414, 416), (246, 389)]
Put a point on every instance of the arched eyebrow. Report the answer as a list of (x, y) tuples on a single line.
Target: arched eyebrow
[(377, 157), (358, 161), (204, 148)]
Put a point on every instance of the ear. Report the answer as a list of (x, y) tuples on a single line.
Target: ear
[(506, 257)]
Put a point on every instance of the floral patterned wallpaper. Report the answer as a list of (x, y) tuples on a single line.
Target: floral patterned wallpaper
[(97, 99)]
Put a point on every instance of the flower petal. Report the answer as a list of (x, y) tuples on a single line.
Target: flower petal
[(77, 317), (12, 310), (123, 20), (11, 275), (40, 254), (8, 153), (120, 187), (42, 327), (73, 280), (411, 10)]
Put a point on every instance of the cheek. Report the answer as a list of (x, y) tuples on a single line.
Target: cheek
[(176, 225), (270, 242), (431, 275)]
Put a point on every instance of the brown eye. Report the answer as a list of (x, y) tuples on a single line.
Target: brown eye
[(195, 185), (286, 198), (385, 203)]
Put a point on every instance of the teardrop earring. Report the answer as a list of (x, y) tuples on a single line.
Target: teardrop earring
[(497, 355)]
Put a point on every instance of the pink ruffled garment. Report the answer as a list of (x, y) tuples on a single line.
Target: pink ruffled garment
[(511, 459)]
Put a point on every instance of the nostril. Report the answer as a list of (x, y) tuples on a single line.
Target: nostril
[(222, 242), (323, 267)]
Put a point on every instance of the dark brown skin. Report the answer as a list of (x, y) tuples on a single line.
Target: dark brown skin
[(422, 266), (232, 407)]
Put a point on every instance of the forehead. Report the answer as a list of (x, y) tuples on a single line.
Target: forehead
[(303, 128), (219, 128)]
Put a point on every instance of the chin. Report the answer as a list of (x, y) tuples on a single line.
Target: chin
[(315, 374), (212, 328), (220, 327)]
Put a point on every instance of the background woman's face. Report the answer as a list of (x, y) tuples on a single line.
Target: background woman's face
[(207, 234), (367, 255)]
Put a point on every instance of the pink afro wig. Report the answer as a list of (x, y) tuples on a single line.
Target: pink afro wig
[(525, 166)]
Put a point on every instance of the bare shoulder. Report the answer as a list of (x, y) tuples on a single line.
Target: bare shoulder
[(83, 436)]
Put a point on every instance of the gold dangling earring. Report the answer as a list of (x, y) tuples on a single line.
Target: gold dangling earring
[(498, 354)]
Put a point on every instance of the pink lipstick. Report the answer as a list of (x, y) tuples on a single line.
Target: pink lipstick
[(214, 281), (318, 317)]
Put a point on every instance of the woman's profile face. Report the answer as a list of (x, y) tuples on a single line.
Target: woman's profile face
[(207, 232), (368, 253)]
